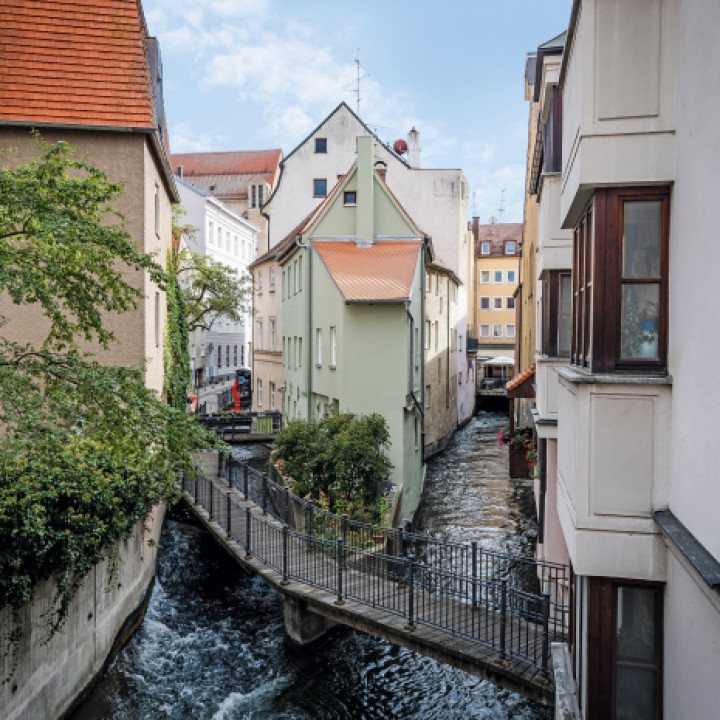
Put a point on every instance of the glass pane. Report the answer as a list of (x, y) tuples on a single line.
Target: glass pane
[(635, 624), (641, 239), (634, 694), (639, 320), (564, 316)]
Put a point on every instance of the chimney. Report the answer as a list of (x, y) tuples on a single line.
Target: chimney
[(180, 171), (475, 227), (381, 169), (413, 142), (364, 211)]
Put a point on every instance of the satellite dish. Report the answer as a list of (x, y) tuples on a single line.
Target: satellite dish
[(400, 146)]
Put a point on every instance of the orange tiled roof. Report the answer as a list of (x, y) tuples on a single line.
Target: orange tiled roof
[(383, 271), (520, 378), (71, 62)]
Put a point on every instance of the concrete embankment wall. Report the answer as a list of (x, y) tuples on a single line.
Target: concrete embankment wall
[(51, 677)]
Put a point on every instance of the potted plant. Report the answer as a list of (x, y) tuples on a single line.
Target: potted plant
[(640, 330)]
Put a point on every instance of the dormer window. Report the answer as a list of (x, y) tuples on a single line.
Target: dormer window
[(510, 247), (485, 248), (320, 145)]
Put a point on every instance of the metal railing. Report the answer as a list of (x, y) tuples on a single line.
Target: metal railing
[(514, 604), (230, 424)]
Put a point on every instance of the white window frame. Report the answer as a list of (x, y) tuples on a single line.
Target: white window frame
[(512, 276), (484, 331), (510, 330), (333, 347), (484, 274), (497, 330), (485, 248), (497, 276), (510, 302), (484, 302), (510, 247), (318, 347), (497, 303)]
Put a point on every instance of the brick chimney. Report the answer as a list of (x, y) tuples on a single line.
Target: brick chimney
[(413, 141)]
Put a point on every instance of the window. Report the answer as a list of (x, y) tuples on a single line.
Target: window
[(484, 276), (219, 237), (485, 248), (510, 303), (259, 393), (510, 331), (271, 279), (428, 329), (556, 310), (272, 335), (484, 331), (511, 275), (211, 234), (498, 276), (300, 277), (259, 281), (284, 352), (227, 356), (484, 302), (300, 356), (253, 196), (261, 190), (271, 392), (620, 289), (284, 286), (441, 304), (510, 247), (235, 357), (427, 396), (437, 335), (318, 346), (219, 356), (497, 303), (427, 282), (259, 335), (157, 319), (320, 145), (497, 331), (350, 197), (319, 187), (333, 347)]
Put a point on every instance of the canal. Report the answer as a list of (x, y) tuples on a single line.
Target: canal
[(212, 646)]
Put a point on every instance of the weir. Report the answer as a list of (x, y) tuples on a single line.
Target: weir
[(487, 613)]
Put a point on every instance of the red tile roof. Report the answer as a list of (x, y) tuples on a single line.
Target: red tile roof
[(515, 386), (383, 271), (497, 235), (227, 174), (70, 62)]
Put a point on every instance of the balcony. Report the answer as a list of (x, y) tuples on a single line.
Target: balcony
[(554, 243), (546, 394), (613, 460)]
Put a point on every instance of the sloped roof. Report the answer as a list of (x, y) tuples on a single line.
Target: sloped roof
[(521, 386), (382, 272), (227, 174), (497, 235), (75, 63)]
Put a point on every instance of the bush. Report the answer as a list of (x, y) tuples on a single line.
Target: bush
[(343, 457)]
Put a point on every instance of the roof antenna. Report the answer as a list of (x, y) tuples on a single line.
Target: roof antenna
[(357, 90), (501, 209), (474, 210)]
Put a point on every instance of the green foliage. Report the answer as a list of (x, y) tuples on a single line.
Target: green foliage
[(61, 243), (86, 449), (177, 339), (343, 458), (211, 290)]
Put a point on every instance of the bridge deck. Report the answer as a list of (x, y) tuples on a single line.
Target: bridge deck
[(371, 593)]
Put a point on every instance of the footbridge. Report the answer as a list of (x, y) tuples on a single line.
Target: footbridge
[(491, 614)]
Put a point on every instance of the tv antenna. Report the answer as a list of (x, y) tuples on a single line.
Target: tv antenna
[(474, 204), (357, 81), (501, 209)]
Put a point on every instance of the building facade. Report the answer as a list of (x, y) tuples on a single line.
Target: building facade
[(627, 385), (226, 237)]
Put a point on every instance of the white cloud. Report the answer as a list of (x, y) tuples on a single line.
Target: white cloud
[(184, 139)]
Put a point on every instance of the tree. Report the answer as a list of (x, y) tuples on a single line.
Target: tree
[(211, 290), (86, 449)]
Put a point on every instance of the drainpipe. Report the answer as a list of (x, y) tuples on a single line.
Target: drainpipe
[(447, 351), (309, 343), (543, 490)]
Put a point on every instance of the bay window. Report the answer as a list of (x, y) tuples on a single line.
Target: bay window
[(620, 281)]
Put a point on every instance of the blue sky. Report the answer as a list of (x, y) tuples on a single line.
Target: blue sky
[(259, 74)]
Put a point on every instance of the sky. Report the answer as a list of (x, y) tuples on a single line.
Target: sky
[(261, 74)]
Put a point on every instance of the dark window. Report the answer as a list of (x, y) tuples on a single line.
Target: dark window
[(624, 652), (620, 261), (319, 187), (260, 195), (235, 355), (320, 145), (350, 197), (557, 311), (253, 196)]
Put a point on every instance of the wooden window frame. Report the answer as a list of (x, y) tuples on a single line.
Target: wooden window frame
[(597, 282), (551, 306)]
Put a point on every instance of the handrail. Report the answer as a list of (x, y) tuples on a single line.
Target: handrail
[(485, 606)]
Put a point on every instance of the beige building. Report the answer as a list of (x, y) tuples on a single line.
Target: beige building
[(629, 467), (494, 309)]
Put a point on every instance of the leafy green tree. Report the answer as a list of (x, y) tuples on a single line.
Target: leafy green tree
[(177, 338), (86, 450)]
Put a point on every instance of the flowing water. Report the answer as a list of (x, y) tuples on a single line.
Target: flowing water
[(212, 645)]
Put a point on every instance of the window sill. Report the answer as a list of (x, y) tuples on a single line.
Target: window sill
[(332, 367), (582, 376), (318, 365)]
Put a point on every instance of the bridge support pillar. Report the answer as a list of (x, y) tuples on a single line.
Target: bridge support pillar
[(302, 625)]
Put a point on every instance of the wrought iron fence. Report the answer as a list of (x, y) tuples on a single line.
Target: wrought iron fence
[(513, 604)]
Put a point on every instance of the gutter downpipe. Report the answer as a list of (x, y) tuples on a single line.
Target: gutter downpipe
[(447, 352), (308, 247)]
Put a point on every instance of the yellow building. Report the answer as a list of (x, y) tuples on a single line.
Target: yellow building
[(494, 313)]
